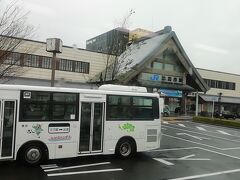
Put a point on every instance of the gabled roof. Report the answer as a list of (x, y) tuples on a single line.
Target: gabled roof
[(139, 54)]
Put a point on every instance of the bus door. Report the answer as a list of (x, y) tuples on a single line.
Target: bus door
[(7, 128), (91, 123)]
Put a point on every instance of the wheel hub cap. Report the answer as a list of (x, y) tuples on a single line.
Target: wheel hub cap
[(33, 154)]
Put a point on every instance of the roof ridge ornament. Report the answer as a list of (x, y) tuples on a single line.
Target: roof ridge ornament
[(167, 29)]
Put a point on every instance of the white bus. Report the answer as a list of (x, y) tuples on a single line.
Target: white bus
[(39, 123)]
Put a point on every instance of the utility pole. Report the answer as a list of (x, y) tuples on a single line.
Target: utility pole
[(53, 68), (196, 107), (54, 45)]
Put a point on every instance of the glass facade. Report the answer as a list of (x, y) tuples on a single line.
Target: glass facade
[(111, 42)]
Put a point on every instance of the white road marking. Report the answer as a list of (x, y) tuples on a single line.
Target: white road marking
[(234, 157), (192, 141), (163, 161), (79, 166), (196, 137), (186, 157), (190, 159), (224, 128), (173, 149), (182, 125), (203, 134), (223, 132), (165, 122), (84, 172), (164, 128), (207, 175), (48, 166), (45, 168), (200, 128), (213, 127), (233, 148)]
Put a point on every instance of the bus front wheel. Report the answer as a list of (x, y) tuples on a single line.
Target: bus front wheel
[(33, 154), (126, 148)]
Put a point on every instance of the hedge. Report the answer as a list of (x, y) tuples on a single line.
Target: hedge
[(215, 121)]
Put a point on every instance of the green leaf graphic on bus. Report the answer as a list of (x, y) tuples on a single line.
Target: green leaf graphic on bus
[(37, 129), (127, 127)]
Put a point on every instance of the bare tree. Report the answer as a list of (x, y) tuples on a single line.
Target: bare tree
[(13, 30), (115, 46)]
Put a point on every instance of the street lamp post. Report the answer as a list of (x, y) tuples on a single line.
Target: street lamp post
[(54, 45), (219, 102)]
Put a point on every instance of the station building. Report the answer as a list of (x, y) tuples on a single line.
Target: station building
[(157, 61)]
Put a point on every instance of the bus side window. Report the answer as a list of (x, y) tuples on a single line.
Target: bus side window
[(48, 106), (35, 107)]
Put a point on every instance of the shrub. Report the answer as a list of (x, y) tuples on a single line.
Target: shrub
[(216, 121)]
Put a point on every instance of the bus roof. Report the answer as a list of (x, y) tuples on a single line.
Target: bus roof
[(74, 90)]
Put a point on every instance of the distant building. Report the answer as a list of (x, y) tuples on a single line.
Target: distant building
[(74, 66), (224, 92), (112, 42)]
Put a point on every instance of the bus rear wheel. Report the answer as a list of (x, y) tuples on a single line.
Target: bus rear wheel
[(33, 154), (125, 148)]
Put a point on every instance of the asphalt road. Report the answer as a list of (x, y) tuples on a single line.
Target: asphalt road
[(188, 151)]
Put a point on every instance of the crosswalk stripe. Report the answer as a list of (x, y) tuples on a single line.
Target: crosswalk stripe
[(79, 166), (85, 172), (49, 166)]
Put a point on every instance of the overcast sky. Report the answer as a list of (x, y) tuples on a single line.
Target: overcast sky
[(209, 30)]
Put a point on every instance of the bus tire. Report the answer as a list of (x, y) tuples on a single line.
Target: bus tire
[(33, 154), (125, 148)]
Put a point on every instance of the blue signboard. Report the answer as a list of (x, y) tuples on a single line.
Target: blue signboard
[(151, 77), (155, 77), (171, 93)]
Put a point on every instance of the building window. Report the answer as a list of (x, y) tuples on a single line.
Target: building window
[(157, 65), (169, 79), (220, 84), (163, 78), (169, 67), (12, 58), (31, 60), (175, 79), (213, 83), (65, 65), (180, 80), (178, 68), (46, 62), (81, 67)]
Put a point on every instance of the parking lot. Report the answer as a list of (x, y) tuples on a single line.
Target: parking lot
[(188, 151)]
